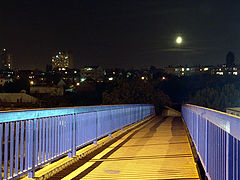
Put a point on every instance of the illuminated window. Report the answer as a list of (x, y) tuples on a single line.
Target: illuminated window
[(219, 73), (188, 69), (183, 69), (235, 73), (110, 79), (205, 69)]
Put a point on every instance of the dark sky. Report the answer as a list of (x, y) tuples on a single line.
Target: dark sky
[(131, 33)]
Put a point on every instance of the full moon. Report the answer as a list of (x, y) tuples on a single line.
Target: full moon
[(179, 40)]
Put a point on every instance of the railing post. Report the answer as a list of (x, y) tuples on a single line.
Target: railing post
[(31, 148), (110, 134), (95, 141), (73, 136)]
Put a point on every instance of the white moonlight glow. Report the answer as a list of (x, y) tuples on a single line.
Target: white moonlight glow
[(179, 40)]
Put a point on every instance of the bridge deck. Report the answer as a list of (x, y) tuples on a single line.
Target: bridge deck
[(158, 149)]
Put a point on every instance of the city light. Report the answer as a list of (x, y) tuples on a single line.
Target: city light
[(142, 77), (110, 79), (82, 79), (31, 82), (78, 84), (179, 40), (163, 78)]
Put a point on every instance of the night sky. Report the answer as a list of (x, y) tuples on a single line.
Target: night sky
[(131, 33)]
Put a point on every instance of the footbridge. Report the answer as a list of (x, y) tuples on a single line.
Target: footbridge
[(119, 142)]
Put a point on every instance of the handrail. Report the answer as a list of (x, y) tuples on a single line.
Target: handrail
[(216, 137), (32, 138)]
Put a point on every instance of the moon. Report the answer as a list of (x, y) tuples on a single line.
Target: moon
[(179, 40)]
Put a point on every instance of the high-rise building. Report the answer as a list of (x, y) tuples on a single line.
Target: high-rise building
[(62, 61), (6, 59)]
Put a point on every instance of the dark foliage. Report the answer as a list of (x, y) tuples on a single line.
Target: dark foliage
[(136, 92)]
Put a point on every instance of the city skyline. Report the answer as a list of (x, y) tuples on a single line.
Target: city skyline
[(120, 34)]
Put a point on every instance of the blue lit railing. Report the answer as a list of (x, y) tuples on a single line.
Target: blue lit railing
[(216, 137), (32, 138)]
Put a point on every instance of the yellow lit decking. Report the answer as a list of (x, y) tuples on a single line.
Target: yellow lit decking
[(159, 149)]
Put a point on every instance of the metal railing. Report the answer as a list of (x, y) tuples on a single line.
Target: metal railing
[(31, 138), (216, 137)]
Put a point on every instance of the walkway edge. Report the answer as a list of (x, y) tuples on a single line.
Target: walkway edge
[(51, 169)]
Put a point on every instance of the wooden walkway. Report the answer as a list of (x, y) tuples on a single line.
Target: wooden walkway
[(159, 149)]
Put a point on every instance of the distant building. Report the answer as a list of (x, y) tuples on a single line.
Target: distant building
[(62, 61), (17, 99), (196, 70), (92, 72), (185, 70), (6, 59), (52, 91)]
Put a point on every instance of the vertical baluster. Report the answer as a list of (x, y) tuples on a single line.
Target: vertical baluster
[(47, 139), (52, 144), (40, 142), (74, 135), (61, 135), (36, 150), (1, 143), (6, 150), (11, 148), (22, 146), (63, 131), (77, 130), (43, 139), (96, 130), (53, 137), (69, 132), (58, 136), (17, 147), (31, 148), (26, 144)]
